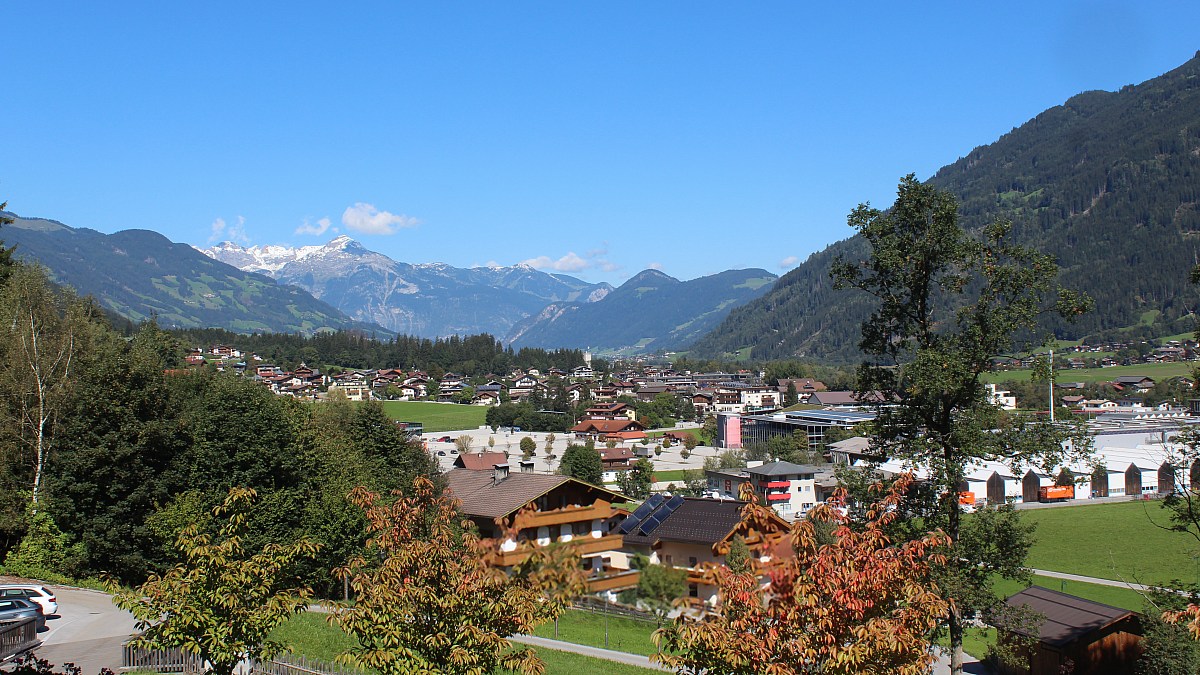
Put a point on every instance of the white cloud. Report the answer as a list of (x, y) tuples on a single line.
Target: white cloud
[(788, 262), (315, 229), (568, 263), (365, 218), (221, 231), (654, 266)]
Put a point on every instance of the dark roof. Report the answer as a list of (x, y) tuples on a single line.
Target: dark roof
[(696, 521), (1068, 618), (481, 496), (1131, 379)]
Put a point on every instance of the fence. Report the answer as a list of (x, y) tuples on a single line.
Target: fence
[(17, 637), (178, 661), (173, 660), (290, 664), (598, 606)]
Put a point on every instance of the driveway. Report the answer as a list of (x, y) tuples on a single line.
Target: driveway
[(88, 631)]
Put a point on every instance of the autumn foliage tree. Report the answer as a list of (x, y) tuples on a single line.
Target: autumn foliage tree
[(859, 603), (427, 601)]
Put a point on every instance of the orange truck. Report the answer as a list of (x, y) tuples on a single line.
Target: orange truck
[(1056, 493)]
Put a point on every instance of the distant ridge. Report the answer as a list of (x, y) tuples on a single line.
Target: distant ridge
[(138, 274), (1108, 183), (650, 312)]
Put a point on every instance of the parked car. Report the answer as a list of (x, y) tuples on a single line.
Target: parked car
[(441, 453), (17, 609), (34, 592), (445, 439)]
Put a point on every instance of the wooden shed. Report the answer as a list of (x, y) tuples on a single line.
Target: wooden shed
[(1097, 639)]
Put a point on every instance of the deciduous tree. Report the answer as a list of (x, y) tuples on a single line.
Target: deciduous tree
[(636, 482), (582, 462), (426, 600), (947, 303), (222, 601), (856, 604)]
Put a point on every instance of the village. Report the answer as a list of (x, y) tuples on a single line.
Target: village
[(692, 526)]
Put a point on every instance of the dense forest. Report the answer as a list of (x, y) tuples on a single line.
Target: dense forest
[(106, 449), (1106, 183), (473, 356)]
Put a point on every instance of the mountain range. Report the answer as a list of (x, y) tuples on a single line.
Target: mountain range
[(342, 285), (1108, 183), (140, 274), (427, 300), (682, 311)]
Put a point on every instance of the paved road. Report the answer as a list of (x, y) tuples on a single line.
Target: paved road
[(594, 652), (88, 631), (1093, 580)]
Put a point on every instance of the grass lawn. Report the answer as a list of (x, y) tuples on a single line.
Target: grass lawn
[(311, 636), (674, 475), (1118, 541), (583, 627), (437, 416), (1158, 371)]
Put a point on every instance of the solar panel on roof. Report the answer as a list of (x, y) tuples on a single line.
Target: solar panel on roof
[(651, 523), (629, 523), (640, 513), (673, 504)]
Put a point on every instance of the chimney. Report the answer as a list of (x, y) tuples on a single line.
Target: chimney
[(499, 473), (526, 467)]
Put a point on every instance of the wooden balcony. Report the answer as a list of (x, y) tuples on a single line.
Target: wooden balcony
[(570, 514), (614, 582), (582, 545)]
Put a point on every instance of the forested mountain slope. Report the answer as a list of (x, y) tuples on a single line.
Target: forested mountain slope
[(1108, 183), (650, 312), (138, 274)]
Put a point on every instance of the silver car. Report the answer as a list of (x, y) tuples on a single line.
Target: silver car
[(16, 609)]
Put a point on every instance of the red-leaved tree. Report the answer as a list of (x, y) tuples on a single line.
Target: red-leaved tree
[(839, 600)]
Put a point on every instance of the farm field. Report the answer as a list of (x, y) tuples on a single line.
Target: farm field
[(1158, 371), (1123, 541), (437, 416)]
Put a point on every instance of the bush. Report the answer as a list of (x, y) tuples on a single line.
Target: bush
[(44, 552)]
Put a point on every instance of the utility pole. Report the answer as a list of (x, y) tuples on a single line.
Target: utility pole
[(1052, 385)]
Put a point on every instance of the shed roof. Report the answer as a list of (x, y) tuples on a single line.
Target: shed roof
[(1068, 618)]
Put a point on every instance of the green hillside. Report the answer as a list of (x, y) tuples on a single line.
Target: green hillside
[(650, 312), (1107, 183), (138, 274)]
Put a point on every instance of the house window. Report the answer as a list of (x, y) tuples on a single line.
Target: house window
[(667, 559), (693, 591), (692, 561), (728, 485)]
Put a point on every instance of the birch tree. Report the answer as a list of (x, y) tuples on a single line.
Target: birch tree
[(40, 335)]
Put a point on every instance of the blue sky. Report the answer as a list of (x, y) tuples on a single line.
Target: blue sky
[(597, 139)]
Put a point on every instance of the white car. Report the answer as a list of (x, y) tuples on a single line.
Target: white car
[(35, 593)]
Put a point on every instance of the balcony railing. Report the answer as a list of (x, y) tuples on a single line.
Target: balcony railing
[(583, 544), (569, 514), (614, 582)]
